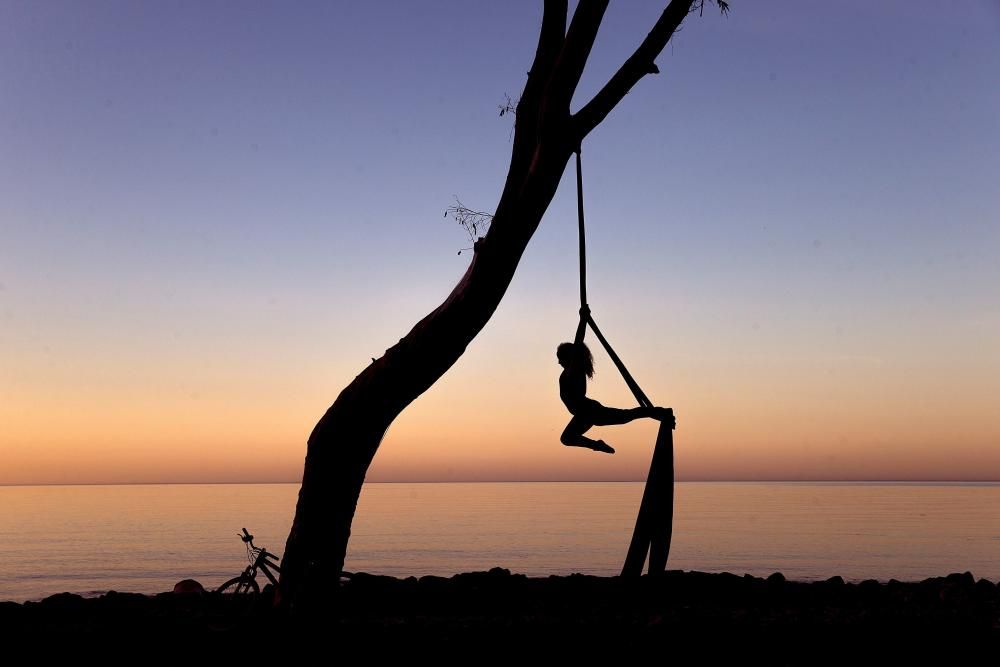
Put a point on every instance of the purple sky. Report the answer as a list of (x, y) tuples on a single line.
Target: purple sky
[(227, 208)]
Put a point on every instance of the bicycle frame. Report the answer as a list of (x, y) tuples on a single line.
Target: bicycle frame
[(262, 563)]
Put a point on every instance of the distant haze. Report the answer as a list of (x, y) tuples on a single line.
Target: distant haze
[(213, 215)]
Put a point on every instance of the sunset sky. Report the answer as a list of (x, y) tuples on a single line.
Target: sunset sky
[(214, 214)]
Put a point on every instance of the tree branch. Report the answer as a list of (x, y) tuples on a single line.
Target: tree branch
[(575, 51), (550, 43), (527, 118), (638, 65)]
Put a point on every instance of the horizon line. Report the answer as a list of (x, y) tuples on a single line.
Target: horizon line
[(533, 481)]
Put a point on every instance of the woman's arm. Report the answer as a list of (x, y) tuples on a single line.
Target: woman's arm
[(581, 328)]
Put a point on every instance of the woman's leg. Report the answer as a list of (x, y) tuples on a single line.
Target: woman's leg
[(600, 415), (595, 414), (573, 436)]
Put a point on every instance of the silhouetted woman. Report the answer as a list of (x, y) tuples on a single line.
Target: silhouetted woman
[(578, 367)]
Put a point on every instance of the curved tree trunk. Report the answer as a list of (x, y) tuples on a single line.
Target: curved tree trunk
[(345, 440)]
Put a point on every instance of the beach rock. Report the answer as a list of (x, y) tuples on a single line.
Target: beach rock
[(124, 604), (835, 581), (956, 588), (67, 601), (8, 610), (963, 579), (492, 575), (729, 581), (985, 588), (897, 589), (869, 587), (776, 579), (188, 587)]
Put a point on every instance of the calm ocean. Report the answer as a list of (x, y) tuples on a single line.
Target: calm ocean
[(90, 539)]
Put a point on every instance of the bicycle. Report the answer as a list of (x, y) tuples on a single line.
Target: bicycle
[(260, 560)]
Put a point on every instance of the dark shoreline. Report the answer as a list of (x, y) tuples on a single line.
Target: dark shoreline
[(497, 618)]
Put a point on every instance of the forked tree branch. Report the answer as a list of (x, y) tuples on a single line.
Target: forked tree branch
[(575, 52), (638, 65)]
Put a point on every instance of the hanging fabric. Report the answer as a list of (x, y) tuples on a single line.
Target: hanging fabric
[(654, 523)]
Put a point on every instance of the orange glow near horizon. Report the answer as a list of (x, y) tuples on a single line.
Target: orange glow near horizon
[(756, 423)]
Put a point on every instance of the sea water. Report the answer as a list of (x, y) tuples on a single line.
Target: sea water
[(145, 538)]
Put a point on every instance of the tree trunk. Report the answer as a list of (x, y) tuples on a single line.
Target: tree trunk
[(345, 440)]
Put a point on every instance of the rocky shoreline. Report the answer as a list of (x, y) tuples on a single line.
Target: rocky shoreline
[(499, 618)]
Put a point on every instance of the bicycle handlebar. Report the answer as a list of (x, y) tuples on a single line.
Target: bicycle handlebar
[(247, 537)]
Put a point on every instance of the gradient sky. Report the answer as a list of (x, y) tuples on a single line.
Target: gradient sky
[(213, 214)]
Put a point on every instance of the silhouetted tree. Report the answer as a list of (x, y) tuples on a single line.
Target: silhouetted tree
[(546, 135)]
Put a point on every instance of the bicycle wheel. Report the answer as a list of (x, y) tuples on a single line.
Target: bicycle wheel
[(240, 586)]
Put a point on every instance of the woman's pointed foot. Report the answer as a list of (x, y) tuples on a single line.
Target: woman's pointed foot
[(601, 446)]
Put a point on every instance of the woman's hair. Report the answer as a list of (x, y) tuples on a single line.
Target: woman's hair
[(578, 355)]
